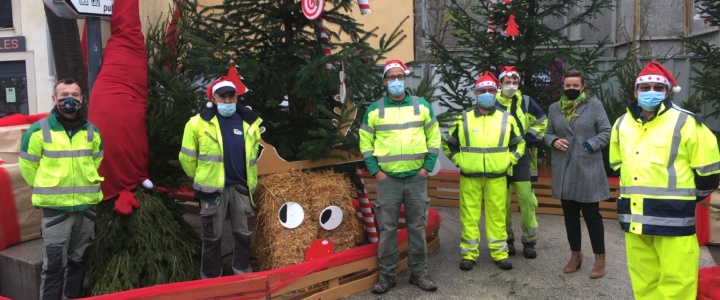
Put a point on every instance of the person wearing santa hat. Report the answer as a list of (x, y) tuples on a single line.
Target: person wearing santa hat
[(400, 142), (485, 143), (668, 160), (219, 152), (532, 121)]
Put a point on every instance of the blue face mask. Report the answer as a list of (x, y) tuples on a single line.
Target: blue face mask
[(486, 100), (650, 100), (226, 109), (396, 87)]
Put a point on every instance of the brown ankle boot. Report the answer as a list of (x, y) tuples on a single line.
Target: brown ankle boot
[(574, 263), (599, 268)]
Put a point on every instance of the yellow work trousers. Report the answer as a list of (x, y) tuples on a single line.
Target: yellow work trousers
[(471, 195), (663, 267)]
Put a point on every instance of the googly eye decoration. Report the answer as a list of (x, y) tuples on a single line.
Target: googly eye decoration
[(331, 217), (291, 215)]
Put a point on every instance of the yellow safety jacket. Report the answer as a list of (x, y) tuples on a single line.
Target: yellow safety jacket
[(201, 154), (665, 164), (400, 138), (484, 145), (61, 169)]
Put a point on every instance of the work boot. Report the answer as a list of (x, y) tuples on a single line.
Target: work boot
[(511, 249), (529, 251), (574, 263), (504, 264), (466, 264), (599, 268), (424, 282), (383, 285)]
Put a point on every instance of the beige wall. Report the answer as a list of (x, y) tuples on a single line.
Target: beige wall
[(386, 15)]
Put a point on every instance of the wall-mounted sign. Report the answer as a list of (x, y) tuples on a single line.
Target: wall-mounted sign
[(79, 9), (12, 44), (10, 95)]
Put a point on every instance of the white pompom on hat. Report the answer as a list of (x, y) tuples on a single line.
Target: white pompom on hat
[(657, 73), (508, 71), (395, 63)]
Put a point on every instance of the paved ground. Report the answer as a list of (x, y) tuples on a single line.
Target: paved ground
[(541, 278)]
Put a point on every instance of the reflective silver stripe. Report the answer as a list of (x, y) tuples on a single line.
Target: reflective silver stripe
[(416, 105), (206, 188), (100, 153), (491, 240), (434, 150), (539, 121), (465, 128), (657, 221), (503, 129), (516, 140), (451, 139), (188, 152), (90, 132), (484, 150), (533, 133), (402, 126), (252, 191), (210, 158), (45, 127), (615, 165), (471, 242), (674, 149), (517, 155), (465, 250), (381, 108), (709, 168), (401, 157), (367, 154), (532, 172), (253, 162), (367, 128), (66, 153), (66, 190), (657, 191), (530, 231), (30, 157), (430, 125), (704, 193), (617, 127)]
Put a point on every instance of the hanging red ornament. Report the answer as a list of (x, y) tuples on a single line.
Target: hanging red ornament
[(512, 27)]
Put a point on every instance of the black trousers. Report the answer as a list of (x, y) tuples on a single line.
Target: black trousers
[(593, 220)]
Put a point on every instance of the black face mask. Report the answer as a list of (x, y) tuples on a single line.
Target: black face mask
[(69, 105), (572, 94)]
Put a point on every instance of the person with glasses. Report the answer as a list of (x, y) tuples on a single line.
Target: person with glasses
[(485, 143), (532, 121), (400, 142), (577, 130), (220, 148), (668, 160)]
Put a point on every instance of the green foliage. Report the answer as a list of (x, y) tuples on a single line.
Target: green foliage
[(280, 57), (151, 246), (482, 52), (705, 79)]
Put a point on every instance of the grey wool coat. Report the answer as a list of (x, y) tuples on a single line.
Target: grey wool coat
[(579, 174)]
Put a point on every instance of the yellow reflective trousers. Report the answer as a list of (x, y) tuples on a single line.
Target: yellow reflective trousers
[(472, 190)]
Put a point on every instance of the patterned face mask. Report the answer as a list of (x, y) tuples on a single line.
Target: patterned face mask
[(69, 105)]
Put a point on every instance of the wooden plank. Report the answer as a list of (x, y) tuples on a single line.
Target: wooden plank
[(347, 289), (245, 286), (402, 265), (434, 201), (444, 194), (608, 214), (449, 177), (433, 244), (609, 205), (328, 274), (443, 184), (549, 210)]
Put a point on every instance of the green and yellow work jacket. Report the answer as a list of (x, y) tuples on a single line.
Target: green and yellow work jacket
[(400, 138), (666, 164), (201, 154), (484, 145), (61, 166)]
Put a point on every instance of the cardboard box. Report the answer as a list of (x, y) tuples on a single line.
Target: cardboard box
[(10, 138), (715, 218), (19, 220)]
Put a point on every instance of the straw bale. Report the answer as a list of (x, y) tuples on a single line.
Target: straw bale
[(276, 246)]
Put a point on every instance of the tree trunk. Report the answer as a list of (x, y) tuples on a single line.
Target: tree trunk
[(66, 49)]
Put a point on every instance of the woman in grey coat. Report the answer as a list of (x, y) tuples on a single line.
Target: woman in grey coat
[(577, 129)]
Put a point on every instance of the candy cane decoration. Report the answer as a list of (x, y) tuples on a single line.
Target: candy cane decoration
[(312, 9), (366, 208), (324, 42), (364, 7)]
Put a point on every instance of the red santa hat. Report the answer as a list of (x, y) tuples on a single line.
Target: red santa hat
[(395, 63), (219, 86), (486, 79), (655, 72), (508, 71)]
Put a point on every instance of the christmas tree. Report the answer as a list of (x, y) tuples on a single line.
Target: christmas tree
[(706, 80)]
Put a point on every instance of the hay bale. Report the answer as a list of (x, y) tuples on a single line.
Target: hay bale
[(276, 246)]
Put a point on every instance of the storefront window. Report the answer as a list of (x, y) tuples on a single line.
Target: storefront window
[(6, 20)]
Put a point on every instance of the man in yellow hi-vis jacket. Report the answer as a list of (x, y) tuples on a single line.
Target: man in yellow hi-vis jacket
[(219, 152), (668, 160), (485, 143), (400, 142)]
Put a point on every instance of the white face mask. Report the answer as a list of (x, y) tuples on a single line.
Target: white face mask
[(509, 90)]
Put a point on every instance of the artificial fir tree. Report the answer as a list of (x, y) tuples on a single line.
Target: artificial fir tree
[(484, 49), (278, 53), (706, 80)]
